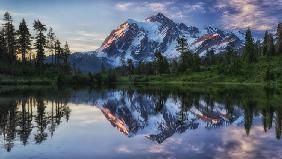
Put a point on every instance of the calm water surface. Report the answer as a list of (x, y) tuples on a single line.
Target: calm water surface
[(121, 123)]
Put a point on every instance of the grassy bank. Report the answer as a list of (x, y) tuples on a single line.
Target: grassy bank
[(254, 74)]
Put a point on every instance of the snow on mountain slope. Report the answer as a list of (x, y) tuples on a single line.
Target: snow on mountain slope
[(139, 40)]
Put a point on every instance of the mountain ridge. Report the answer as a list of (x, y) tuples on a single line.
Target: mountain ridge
[(138, 41)]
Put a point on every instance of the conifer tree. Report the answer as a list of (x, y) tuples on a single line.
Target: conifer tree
[(185, 54), (3, 52), (9, 35), (279, 39), (210, 57), (24, 40), (231, 62), (270, 45), (50, 42), (249, 49), (40, 41), (58, 52), (265, 44), (130, 66), (196, 62), (258, 48), (66, 53), (161, 63)]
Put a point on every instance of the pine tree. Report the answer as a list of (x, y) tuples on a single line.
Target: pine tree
[(3, 51), (50, 42), (161, 63), (24, 40), (270, 45), (66, 53), (130, 66), (231, 62), (58, 52), (279, 39), (265, 44), (249, 50), (182, 45), (258, 47), (40, 41), (210, 57), (9, 35), (185, 54), (196, 62)]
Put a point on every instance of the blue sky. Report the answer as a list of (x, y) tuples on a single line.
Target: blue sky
[(86, 23)]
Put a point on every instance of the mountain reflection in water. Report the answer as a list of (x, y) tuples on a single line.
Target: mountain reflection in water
[(32, 117)]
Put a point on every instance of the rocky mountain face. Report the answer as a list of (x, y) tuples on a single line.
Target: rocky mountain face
[(139, 40)]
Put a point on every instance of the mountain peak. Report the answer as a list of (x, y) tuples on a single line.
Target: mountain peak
[(159, 17)]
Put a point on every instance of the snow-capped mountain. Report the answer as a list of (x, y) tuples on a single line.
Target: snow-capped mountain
[(139, 40)]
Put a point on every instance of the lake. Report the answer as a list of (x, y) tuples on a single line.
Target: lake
[(143, 122)]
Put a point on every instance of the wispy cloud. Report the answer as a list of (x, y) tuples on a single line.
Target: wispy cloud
[(84, 40), (18, 14), (144, 6), (241, 14), (197, 7), (156, 7), (123, 6), (167, 8)]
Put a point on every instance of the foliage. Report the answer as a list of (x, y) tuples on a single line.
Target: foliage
[(23, 40)]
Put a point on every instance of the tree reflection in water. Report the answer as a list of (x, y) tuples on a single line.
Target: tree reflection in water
[(19, 118), (195, 108), (33, 118)]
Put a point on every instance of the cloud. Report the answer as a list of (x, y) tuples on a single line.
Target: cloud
[(156, 7), (168, 8), (90, 35), (256, 14), (197, 7), (17, 14), (123, 149), (123, 6), (82, 40), (146, 6)]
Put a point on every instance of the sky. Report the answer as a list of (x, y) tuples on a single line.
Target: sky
[(86, 23)]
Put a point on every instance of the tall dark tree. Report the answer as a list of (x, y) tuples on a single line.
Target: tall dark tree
[(161, 63), (279, 39), (258, 48), (10, 37), (58, 52), (3, 51), (130, 66), (270, 45), (66, 53), (231, 63), (185, 54), (210, 59), (24, 40), (249, 49), (50, 42), (196, 62), (265, 44), (40, 41)]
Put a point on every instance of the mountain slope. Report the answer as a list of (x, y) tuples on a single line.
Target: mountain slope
[(139, 40)]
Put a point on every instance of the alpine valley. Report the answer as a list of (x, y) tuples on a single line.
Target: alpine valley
[(139, 40)]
